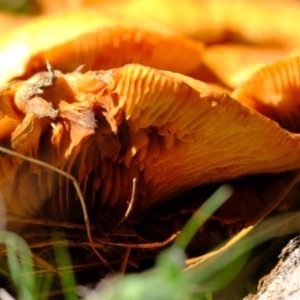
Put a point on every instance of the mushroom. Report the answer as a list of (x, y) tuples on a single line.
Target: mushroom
[(273, 90), (188, 17), (96, 42), (263, 22), (238, 62), (167, 131), (260, 22)]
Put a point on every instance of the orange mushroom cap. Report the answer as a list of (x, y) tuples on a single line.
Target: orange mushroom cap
[(96, 42), (168, 131), (232, 64), (259, 22), (274, 90)]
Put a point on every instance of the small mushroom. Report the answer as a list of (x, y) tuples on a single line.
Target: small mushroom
[(168, 131)]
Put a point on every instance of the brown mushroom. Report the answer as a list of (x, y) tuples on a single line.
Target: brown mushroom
[(94, 41), (106, 128)]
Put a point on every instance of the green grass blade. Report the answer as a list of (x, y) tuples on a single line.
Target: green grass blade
[(66, 274), (202, 215), (19, 260)]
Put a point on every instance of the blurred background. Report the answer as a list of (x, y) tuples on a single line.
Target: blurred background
[(240, 33)]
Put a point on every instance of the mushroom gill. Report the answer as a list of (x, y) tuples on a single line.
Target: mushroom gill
[(106, 128)]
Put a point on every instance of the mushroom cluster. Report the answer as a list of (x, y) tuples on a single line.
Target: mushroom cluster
[(170, 108)]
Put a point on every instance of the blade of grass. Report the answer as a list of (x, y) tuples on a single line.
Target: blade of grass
[(66, 274), (17, 248), (44, 284), (205, 270), (202, 215)]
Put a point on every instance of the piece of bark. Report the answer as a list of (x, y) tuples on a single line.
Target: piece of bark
[(283, 281)]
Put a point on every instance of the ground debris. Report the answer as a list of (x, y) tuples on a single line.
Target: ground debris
[(283, 281)]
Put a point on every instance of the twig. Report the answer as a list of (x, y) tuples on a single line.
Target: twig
[(125, 260), (62, 242), (142, 246), (72, 243), (50, 223), (131, 202)]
